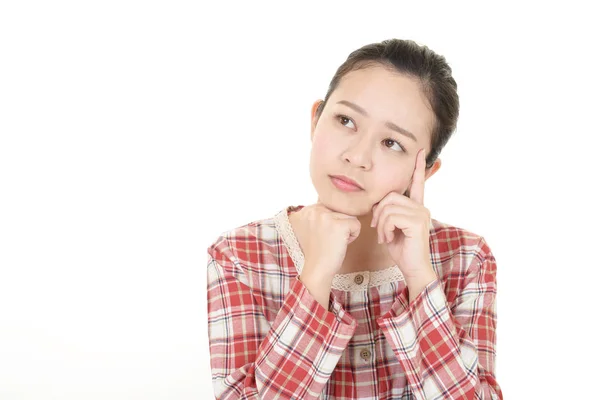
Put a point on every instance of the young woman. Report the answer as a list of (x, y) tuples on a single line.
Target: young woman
[(361, 295)]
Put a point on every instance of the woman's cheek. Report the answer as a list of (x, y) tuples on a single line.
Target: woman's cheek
[(323, 145), (398, 184)]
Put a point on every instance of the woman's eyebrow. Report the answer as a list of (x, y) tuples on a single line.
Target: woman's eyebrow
[(389, 124)]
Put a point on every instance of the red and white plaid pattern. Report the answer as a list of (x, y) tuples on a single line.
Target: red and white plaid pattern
[(270, 339)]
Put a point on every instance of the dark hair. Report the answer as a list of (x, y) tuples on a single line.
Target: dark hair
[(434, 73)]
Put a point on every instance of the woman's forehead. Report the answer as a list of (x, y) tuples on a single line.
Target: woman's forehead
[(387, 96)]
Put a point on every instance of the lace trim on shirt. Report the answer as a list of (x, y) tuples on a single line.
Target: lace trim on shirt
[(284, 229), (344, 282)]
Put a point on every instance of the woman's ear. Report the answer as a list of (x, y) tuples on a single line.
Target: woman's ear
[(316, 110), (428, 174), (433, 169)]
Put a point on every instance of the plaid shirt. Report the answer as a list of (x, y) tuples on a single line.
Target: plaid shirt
[(270, 339)]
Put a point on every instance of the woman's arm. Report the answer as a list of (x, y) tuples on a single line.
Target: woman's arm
[(448, 351), (292, 357)]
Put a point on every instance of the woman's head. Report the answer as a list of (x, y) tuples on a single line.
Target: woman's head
[(387, 101)]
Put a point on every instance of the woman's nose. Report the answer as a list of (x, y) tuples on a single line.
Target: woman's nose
[(359, 154)]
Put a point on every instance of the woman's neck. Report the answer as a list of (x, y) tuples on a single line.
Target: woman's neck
[(365, 254)]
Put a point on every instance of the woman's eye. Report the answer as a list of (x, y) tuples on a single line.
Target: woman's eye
[(344, 120), (399, 146)]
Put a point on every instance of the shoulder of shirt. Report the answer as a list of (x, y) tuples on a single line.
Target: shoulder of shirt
[(252, 248), (456, 248), (463, 261)]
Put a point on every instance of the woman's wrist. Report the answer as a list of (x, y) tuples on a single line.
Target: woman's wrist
[(416, 284), (318, 287)]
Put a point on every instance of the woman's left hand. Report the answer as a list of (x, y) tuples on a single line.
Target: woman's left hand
[(403, 222)]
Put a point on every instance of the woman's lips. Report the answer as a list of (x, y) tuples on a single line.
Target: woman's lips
[(344, 185)]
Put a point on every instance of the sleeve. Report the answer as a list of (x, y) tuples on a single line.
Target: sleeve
[(448, 351), (290, 358)]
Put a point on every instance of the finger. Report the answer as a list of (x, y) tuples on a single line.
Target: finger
[(387, 200), (374, 211), (405, 223), (411, 225), (354, 230), (392, 198), (417, 188), (393, 222), (385, 231), (351, 223)]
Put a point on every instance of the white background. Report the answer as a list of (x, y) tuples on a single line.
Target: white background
[(134, 133)]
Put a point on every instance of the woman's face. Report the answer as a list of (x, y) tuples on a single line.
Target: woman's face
[(371, 129)]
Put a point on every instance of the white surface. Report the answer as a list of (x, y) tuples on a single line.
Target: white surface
[(133, 133)]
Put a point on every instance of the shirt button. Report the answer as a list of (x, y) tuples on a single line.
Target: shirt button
[(365, 354), (359, 279)]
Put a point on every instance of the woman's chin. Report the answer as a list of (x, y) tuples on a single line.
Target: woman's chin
[(350, 207)]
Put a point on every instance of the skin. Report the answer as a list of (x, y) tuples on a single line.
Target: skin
[(388, 165)]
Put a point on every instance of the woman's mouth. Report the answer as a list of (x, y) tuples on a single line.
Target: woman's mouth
[(345, 184)]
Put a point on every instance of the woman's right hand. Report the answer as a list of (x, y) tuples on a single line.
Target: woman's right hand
[(324, 236)]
